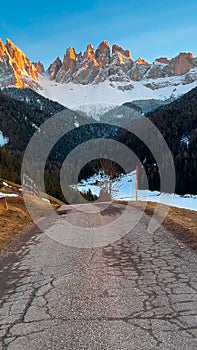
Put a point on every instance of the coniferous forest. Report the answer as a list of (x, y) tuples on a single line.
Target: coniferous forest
[(176, 121)]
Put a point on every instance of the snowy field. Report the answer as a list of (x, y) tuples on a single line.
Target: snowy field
[(125, 190)]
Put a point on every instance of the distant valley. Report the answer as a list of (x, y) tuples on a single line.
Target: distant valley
[(104, 85)]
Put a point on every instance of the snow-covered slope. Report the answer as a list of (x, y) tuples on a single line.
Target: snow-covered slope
[(125, 189), (95, 110), (77, 95)]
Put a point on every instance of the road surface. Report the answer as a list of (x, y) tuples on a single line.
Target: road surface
[(139, 292)]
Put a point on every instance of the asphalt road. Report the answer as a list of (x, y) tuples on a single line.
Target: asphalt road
[(139, 292)]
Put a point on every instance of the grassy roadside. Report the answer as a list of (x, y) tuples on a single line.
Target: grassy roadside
[(181, 223), (16, 219)]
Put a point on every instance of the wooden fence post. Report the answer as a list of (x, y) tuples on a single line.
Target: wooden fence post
[(3, 203)]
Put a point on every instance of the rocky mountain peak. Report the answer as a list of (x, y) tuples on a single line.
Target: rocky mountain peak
[(118, 49), (117, 65), (39, 67), (94, 66), (67, 67), (88, 57), (54, 68), (3, 49), (182, 63), (139, 69), (15, 68), (104, 44), (70, 54), (21, 63), (163, 60), (12, 49), (140, 60), (90, 52), (102, 54)]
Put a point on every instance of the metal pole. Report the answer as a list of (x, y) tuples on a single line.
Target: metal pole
[(137, 182)]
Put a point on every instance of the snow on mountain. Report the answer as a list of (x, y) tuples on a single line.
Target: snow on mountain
[(95, 110), (83, 97), (98, 79)]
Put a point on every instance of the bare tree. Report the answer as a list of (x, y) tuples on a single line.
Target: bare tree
[(110, 172)]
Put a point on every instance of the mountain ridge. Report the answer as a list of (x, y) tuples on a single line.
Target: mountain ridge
[(93, 66), (116, 64)]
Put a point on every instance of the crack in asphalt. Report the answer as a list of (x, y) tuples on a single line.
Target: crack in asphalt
[(139, 292)]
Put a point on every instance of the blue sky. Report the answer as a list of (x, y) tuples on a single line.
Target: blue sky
[(43, 29)]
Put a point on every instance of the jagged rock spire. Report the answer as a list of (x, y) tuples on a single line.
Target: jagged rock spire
[(16, 69)]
